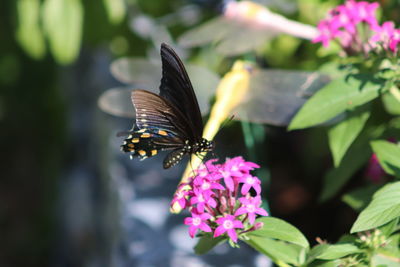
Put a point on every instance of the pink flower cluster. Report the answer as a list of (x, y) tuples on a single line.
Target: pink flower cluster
[(355, 27), (219, 198)]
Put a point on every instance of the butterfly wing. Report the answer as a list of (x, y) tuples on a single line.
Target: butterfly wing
[(177, 89)]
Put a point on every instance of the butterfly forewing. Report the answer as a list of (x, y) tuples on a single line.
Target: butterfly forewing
[(177, 88)]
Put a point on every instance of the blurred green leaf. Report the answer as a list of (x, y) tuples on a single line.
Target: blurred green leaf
[(332, 252), (342, 135), (279, 229), (315, 252), (337, 177), (206, 243), (115, 10), (391, 104), (276, 250), (384, 207), (388, 155), (29, 34), (340, 95), (388, 228), (359, 198), (63, 22), (356, 156), (385, 259)]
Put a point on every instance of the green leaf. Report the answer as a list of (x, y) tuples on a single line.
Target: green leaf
[(384, 207), (388, 155), (390, 227), (357, 155), (337, 177), (275, 249), (385, 259), (343, 134), (359, 198), (63, 22), (315, 252), (115, 10), (206, 243), (28, 33), (391, 104), (279, 229), (340, 95), (332, 252)]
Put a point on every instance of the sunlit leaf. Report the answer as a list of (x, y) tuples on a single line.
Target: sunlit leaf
[(337, 251), (342, 135), (276, 250), (340, 95), (384, 207), (359, 198), (115, 10), (385, 259), (275, 96), (29, 34), (388, 155), (63, 22), (279, 229), (206, 243), (391, 104)]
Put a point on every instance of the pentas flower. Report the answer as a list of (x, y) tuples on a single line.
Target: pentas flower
[(355, 27), (224, 199)]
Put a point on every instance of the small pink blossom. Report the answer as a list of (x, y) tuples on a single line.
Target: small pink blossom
[(250, 182), (202, 199), (228, 224), (181, 196), (198, 221), (251, 206)]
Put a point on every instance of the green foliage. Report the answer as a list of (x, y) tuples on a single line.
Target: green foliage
[(63, 22), (343, 134), (340, 95), (279, 229), (29, 33), (388, 155), (384, 207)]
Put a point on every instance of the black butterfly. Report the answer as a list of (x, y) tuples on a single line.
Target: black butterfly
[(169, 121)]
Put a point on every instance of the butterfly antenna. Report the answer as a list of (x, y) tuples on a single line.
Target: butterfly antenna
[(226, 121)]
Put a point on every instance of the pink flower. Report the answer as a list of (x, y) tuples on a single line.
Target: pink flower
[(251, 206), (250, 182), (180, 196), (202, 199), (228, 224), (198, 221), (214, 190)]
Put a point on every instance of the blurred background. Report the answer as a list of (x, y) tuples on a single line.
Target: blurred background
[(69, 197)]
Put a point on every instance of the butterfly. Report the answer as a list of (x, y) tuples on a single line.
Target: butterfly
[(170, 120)]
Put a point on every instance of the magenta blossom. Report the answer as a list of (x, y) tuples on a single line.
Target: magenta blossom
[(198, 221), (228, 224), (355, 27), (218, 197), (251, 206)]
